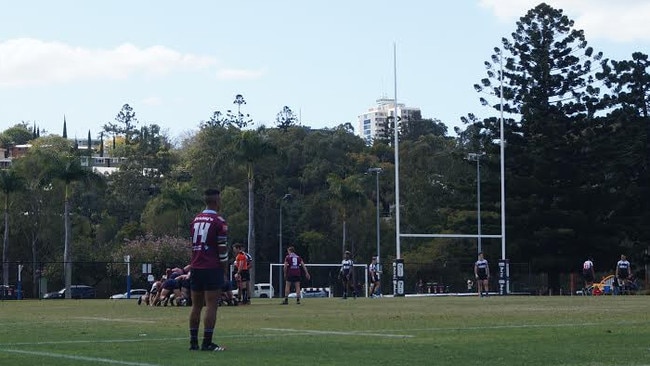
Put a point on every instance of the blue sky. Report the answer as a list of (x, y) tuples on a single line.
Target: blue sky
[(177, 62)]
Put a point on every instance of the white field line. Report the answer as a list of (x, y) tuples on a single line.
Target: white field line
[(328, 332), (77, 358), (116, 320), (517, 326), (141, 339)]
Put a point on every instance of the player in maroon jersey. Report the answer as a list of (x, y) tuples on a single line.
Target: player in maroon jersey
[(293, 268), (209, 234)]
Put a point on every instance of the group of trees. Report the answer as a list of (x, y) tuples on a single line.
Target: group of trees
[(576, 128)]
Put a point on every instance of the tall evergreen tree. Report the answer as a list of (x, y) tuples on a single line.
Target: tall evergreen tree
[(545, 78)]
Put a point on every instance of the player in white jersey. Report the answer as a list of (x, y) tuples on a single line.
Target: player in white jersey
[(373, 273), (588, 273), (623, 271), (482, 274), (346, 275)]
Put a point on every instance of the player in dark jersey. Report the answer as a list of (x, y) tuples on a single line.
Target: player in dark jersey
[(293, 269), (209, 234), (482, 274), (346, 275)]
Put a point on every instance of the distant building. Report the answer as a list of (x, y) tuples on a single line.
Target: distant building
[(372, 122)]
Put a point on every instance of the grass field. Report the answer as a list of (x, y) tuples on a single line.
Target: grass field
[(455, 331)]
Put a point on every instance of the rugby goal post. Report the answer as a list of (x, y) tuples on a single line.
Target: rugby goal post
[(317, 276)]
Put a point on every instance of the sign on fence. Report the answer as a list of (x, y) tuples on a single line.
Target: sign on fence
[(504, 276), (398, 277)]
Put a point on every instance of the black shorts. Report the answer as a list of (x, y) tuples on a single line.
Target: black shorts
[(588, 277), (294, 279), (206, 279), (170, 285), (482, 276), (374, 278), (244, 275)]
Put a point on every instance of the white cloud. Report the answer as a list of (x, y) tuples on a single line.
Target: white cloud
[(240, 74), (619, 21), (28, 61)]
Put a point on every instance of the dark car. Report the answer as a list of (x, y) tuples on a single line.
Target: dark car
[(76, 292), (8, 293)]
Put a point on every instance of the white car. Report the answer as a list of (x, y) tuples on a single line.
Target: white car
[(135, 294), (263, 290)]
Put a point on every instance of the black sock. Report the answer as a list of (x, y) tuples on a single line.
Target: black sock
[(207, 336), (245, 294), (194, 336)]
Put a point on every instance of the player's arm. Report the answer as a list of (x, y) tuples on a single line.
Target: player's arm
[(475, 270), (487, 270), (307, 275)]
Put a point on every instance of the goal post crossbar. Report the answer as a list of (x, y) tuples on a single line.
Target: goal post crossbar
[(331, 265), (474, 236)]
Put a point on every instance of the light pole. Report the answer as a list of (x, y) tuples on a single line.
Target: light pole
[(377, 171), (285, 198), (477, 157), (127, 260)]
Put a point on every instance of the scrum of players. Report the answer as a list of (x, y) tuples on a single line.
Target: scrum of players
[(173, 287)]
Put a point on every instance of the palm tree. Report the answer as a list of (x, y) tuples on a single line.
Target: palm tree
[(347, 197), (251, 147), (10, 182), (68, 169)]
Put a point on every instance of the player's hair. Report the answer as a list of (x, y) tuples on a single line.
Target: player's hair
[(210, 195), (291, 249)]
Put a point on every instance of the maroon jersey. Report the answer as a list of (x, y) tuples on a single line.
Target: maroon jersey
[(294, 264), (209, 235)]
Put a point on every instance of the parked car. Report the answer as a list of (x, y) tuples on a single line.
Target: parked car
[(263, 290), (8, 292), (135, 294), (76, 292)]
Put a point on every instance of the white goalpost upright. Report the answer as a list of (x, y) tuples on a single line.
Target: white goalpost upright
[(335, 266), (398, 264)]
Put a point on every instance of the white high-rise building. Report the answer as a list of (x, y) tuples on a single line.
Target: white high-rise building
[(371, 123)]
